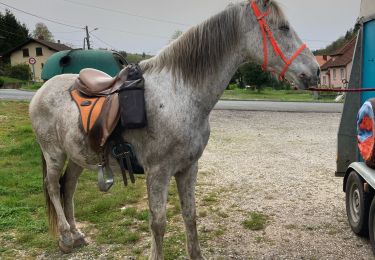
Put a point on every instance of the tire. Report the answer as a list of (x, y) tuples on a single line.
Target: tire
[(371, 225), (357, 205)]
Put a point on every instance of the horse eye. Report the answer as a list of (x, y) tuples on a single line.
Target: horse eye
[(284, 28)]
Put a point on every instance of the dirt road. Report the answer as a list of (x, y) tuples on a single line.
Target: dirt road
[(282, 166)]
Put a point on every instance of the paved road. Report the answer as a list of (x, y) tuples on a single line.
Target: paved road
[(12, 94), (280, 106)]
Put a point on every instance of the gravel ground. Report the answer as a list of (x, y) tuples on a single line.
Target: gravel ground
[(282, 165)]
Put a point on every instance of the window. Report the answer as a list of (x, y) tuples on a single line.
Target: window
[(25, 52), (342, 73), (324, 80), (334, 74), (39, 51)]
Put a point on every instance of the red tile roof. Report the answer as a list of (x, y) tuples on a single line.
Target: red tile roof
[(342, 57), (52, 45), (321, 59)]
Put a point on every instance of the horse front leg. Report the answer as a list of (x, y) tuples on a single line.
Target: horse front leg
[(157, 189), (186, 181), (69, 183)]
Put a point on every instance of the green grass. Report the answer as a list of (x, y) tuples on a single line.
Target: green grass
[(273, 95), (23, 84), (255, 221), (31, 86), (119, 217), (8, 80)]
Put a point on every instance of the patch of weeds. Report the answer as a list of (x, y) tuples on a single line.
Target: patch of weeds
[(258, 239), (310, 228), (255, 221), (331, 229), (137, 251), (291, 226), (222, 214), (174, 246), (130, 212), (219, 232), (210, 199), (142, 215), (202, 213), (119, 236)]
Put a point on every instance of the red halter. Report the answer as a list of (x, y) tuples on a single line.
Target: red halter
[(267, 32)]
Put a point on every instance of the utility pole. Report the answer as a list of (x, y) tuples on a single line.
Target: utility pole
[(87, 37)]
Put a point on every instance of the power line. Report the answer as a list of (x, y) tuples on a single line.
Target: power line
[(134, 33), (109, 45), (40, 17), (71, 31), (126, 13)]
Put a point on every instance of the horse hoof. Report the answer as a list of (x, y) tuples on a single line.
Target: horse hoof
[(66, 249), (80, 242)]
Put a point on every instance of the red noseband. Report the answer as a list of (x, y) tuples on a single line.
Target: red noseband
[(266, 32)]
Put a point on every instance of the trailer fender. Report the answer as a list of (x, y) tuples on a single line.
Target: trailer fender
[(365, 172)]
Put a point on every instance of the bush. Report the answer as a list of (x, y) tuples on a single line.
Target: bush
[(1, 82), (21, 71), (232, 87)]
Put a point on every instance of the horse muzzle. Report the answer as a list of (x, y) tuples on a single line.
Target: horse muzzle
[(307, 80)]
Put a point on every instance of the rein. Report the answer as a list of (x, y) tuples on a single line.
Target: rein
[(266, 32)]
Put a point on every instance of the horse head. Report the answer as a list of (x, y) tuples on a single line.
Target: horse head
[(271, 40)]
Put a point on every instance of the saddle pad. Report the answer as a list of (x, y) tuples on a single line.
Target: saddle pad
[(89, 108), (366, 132)]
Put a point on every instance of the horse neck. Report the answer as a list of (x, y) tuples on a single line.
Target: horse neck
[(214, 85)]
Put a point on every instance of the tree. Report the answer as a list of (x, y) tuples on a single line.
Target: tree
[(254, 75), (123, 54), (175, 35), (340, 42), (41, 32), (12, 32)]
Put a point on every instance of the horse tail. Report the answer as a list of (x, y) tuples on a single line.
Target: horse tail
[(50, 208)]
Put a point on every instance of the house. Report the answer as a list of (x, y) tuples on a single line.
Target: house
[(38, 49), (336, 71)]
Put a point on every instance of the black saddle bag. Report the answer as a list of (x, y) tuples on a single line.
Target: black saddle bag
[(132, 102)]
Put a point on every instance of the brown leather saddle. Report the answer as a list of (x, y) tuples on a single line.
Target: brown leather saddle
[(97, 96)]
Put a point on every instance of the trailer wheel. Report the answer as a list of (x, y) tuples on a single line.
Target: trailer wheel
[(357, 204), (371, 224)]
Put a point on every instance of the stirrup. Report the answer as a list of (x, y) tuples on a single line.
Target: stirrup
[(105, 183)]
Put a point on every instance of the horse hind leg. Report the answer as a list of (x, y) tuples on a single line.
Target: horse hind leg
[(68, 186), (186, 190), (53, 164)]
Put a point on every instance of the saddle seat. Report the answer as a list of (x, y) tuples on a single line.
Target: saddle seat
[(94, 82)]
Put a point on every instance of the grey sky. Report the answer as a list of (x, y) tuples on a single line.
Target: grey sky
[(318, 22)]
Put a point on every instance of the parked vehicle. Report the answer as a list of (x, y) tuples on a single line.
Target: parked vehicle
[(359, 179), (72, 61)]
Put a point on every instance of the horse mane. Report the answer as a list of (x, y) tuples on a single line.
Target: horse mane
[(199, 51)]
